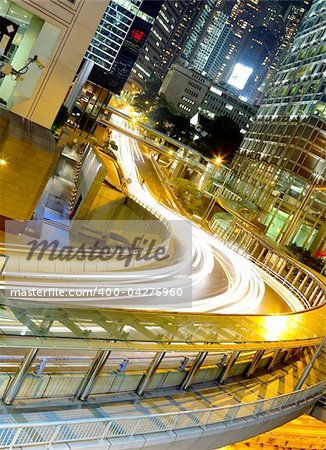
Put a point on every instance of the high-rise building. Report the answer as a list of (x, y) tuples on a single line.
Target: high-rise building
[(42, 45), (284, 30), (212, 45), (220, 102), (165, 42), (243, 16), (185, 89), (253, 61), (281, 163), (58, 33), (115, 46)]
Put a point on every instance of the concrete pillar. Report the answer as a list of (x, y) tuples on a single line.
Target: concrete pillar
[(321, 299), (267, 258), (274, 358), (248, 244), (242, 241), (253, 251), (227, 369), (318, 297), (79, 84), (309, 366), (150, 372), (282, 267), (16, 383), (309, 287), (255, 361), (88, 382), (288, 355), (193, 370)]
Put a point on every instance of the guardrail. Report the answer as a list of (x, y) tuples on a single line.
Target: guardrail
[(305, 285), (18, 435)]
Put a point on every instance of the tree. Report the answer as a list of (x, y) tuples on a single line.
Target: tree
[(190, 197), (149, 97), (223, 137)]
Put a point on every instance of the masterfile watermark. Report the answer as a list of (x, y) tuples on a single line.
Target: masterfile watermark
[(141, 249), (117, 263)]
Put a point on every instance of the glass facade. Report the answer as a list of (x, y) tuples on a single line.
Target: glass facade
[(281, 163), (117, 42)]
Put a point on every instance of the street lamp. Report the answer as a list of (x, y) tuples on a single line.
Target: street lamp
[(217, 192), (3, 162)]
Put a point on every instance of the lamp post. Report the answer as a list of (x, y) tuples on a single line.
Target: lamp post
[(217, 192)]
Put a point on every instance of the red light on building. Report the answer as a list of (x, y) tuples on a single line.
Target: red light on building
[(137, 35), (321, 254)]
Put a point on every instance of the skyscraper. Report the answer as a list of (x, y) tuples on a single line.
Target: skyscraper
[(211, 47), (115, 46), (243, 15), (254, 58), (281, 163), (165, 42), (284, 30)]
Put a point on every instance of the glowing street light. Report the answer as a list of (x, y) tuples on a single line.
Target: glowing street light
[(218, 160), (3, 162)]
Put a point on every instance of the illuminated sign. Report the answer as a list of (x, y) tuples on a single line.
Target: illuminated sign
[(239, 76), (137, 35)]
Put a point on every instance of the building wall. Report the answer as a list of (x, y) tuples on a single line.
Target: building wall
[(30, 156), (61, 33), (165, 43), (219, 102), (281, 163), (185, 89)]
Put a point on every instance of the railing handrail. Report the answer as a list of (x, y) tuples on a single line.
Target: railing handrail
[(282, 255), (158, 415)]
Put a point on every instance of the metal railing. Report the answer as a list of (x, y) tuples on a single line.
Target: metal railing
[(40, 433), (303, 293)]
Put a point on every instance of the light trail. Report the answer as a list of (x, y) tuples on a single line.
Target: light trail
[(219, 280), (245, 286)]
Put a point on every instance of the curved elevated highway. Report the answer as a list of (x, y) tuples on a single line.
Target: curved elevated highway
[(232, 376)]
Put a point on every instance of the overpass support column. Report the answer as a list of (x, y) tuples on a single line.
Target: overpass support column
[(88, 382), (193, 370), (15, 385), (309, 366), (156, 361), (255, 361), (228, 367)]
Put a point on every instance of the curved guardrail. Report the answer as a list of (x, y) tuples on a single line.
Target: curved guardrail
[(21, 435), (305, 285)]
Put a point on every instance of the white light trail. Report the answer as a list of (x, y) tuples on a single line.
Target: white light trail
[(245, 287)]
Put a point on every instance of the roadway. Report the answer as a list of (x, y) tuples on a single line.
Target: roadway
[(222, 281), (212, 277)]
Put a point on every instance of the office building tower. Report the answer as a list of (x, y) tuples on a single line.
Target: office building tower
[(166, 41), (115, 46), (58, 33), (185, 89), (220, 102), (212, 45), (285, 31), (243, 16), (281, 163), (253, 60)]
